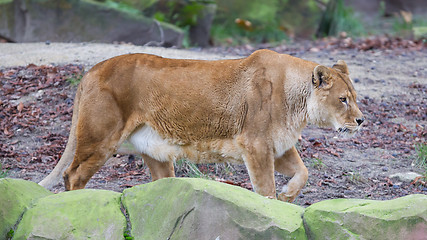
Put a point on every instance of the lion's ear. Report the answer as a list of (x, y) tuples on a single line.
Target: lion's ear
[(321, 76), (341, 66)]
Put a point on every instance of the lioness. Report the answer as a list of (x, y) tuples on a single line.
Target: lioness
[(249, 110)]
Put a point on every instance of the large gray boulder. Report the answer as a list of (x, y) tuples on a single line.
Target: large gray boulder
[(16, 196), (81, 21), (185, 208), (80, 214), (401, 218)]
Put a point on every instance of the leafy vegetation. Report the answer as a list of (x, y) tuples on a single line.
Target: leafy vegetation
[(74, 79), (245, 21), (127, 235), (339, 18), (239, 22), (181, 13), (407, 25), (10, 234), (122, 6), (3, 173)]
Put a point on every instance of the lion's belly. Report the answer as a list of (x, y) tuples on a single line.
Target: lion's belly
[(147, 141)]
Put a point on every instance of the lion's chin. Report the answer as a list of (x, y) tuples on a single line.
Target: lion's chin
[(347, 131)]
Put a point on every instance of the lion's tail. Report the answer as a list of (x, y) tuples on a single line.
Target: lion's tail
[(67, 157)]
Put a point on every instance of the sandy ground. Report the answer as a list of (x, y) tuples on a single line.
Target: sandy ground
[(88, 54)]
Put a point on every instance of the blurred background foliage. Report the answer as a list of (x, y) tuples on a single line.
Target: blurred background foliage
[(260, 21)]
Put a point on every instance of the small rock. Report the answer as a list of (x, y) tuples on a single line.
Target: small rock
[(356, 80), (404, 177), (348, 192)]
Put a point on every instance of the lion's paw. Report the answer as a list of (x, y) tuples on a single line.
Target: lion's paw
[(285, 196)]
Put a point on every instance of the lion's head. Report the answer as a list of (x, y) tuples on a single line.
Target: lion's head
[(333, 99)]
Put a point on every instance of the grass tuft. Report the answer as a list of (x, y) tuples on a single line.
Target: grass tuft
[(421, 157), (317, 163), (3, 173), (190, 169), (74, 79)]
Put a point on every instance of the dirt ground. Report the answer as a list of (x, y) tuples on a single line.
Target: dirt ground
[(36, 106)]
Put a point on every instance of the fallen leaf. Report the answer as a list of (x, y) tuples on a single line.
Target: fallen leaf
[(20, 107)]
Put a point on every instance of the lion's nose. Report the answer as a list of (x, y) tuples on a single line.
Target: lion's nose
[(360, 120)]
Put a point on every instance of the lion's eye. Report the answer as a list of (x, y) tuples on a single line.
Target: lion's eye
[(343, 99)]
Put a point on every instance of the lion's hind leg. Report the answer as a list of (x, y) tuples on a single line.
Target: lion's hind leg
[(100, 131), (67, 157), (291, 165)]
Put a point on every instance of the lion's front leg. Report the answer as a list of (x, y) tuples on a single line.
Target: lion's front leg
[(259, 161), (291, 165)]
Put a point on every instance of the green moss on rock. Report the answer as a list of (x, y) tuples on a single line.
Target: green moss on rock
[(81, 214), (186, 208), (401, 218), (16, 196)]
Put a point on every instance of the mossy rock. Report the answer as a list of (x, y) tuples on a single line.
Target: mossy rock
[(16, 196), (82, 21), (401, 218), (187, 208), (80, 214)]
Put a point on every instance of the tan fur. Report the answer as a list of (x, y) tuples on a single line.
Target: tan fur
[(249, 110)]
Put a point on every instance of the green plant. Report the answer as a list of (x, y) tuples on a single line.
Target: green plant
[(339, 18), (354, 177), (127, 235), (190, 169), (228, 168), (421, 157), (182, 13), (125, 7), (10, 234), (240, 22), (400, 26), (3, 173), (74, 79), (317, 163)]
